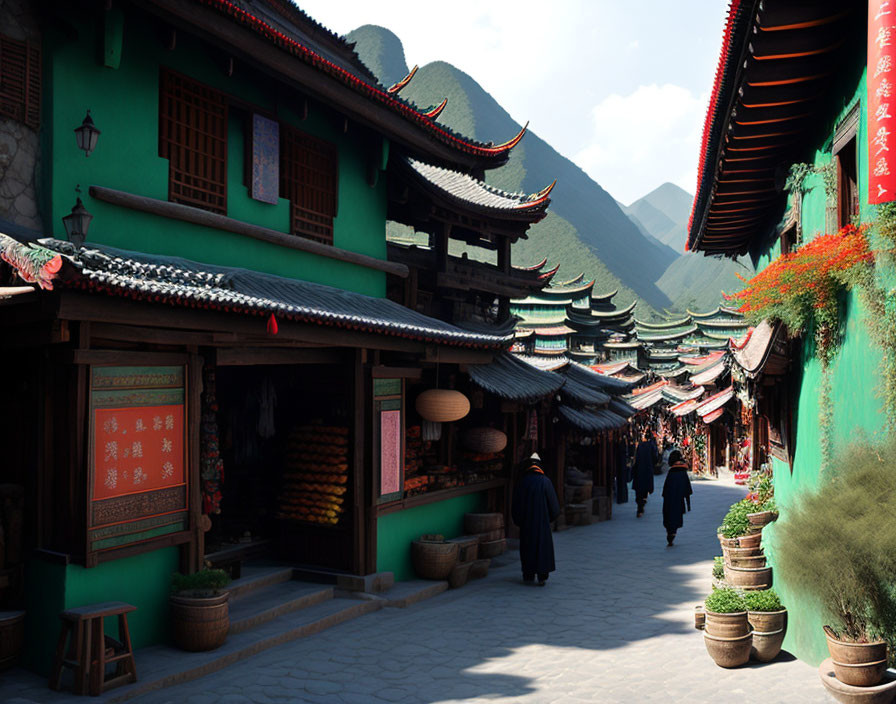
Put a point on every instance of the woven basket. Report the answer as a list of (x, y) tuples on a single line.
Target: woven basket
[(433, 560), (480, 568), (442, 405), (468, 547), (484, 440), (490, 535), (459, 575), (475, 523), (493, 548), (199, 624)]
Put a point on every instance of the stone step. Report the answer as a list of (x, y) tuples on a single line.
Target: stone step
[(257, 577), (403, 594), (160, 666), (275, 600)]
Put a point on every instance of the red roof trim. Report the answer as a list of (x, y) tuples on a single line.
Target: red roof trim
[(382, 96), (711, 111)]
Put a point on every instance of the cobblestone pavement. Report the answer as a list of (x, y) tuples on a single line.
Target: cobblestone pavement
[(613, 624)]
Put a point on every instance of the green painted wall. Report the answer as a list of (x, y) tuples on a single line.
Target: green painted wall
[(857, 408), (395, 531), (143, 580), (124, 103)]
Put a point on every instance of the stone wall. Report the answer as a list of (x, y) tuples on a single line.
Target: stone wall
[(19, 145)]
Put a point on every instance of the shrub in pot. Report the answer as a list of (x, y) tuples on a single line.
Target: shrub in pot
[(768, 618), (727, 633), (200, 615), (837, 545)]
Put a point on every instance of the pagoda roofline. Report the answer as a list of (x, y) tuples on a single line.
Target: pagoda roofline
[(603, 297), (534, 300), (723, 323), (289, 43), (716, 311), (571, 282), (564, 290), (669, 336), (396, 88), (618, 313), (664, 325)]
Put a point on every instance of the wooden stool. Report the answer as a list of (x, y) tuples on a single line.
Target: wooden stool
[(90, 650)]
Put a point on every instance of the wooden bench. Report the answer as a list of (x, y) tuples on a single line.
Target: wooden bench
[(231, 558), (90, 650)]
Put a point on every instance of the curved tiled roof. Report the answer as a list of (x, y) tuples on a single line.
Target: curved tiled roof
[(591, 421), (515, 380), (473, 192), (184, 283), (271, 20), (779, 60)]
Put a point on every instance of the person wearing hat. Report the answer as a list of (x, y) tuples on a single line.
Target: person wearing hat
[(676, 495), (535, 505)]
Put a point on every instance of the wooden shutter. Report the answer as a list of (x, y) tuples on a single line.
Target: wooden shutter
[(308, 178), (20, 81), (193, 137)]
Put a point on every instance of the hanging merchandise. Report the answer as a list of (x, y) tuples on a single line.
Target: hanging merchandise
[(267, 402), (211, 466), (442, 405), (431, 432)]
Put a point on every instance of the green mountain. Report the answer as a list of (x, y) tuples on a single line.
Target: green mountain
[(693, 281), (586, 231)]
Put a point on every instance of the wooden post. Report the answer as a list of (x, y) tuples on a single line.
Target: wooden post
[(360, 516), (195, 549)]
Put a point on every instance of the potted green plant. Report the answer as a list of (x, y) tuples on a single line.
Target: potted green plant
[(735, 529), (836, 545), (765, 513), (727, 634), (200, 615), (768, 618)]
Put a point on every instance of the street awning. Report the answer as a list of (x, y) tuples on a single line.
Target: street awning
[(514, 380), (645, 401), (591, 421), (715, 402), (582, 395), (711, 374), (715, 415), (683, 408), (752, 355)]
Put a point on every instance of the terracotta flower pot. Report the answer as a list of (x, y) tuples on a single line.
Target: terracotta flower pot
[(883, 693), (767, 645), (728, 652), (742, 552), (767, 621), (858, 664), (750, 541), (199, 623), (749, 578), (732, 625), (762, 518), (699, 617), (747, 561), (727, 542)]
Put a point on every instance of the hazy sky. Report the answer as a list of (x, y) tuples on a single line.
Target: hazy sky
[(618, 86)]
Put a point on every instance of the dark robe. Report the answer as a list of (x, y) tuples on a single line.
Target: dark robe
[(535, 505), (642, 479), (622, 472), (676, 497)]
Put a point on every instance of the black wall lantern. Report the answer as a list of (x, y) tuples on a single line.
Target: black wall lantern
[(77, 223), (87, 135)]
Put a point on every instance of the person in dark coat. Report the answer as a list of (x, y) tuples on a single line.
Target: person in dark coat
[(535, 505), (642, 479), (622, 471), (676, 495)]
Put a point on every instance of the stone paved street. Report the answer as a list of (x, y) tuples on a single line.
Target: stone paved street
[(614, 624)]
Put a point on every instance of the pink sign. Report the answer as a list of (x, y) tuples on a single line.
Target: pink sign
[(881, 99), (390, 452)]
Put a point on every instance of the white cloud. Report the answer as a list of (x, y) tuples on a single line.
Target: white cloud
[(641, 140)]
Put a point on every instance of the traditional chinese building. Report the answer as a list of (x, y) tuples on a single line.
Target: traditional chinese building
[(207, 363), (801, 88)]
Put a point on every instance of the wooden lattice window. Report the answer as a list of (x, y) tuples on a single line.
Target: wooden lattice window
[(193, 137), (20, 81), (308, 178)]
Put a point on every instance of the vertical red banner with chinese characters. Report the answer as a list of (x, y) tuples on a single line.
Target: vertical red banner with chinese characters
[(881, 99)]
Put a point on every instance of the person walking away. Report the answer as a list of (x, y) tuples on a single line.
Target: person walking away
[(642, 479), (676, 495), (622, 471), (535, 505)]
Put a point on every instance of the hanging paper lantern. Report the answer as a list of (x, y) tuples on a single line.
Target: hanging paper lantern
[(486, 440), (442, 405)]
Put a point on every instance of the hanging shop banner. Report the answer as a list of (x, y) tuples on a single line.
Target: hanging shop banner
[(138, 488), (388, 402), (881, 100), (390, 452)]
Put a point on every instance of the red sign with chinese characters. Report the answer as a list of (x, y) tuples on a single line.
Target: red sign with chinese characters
[(881, 100), (137, 449)]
